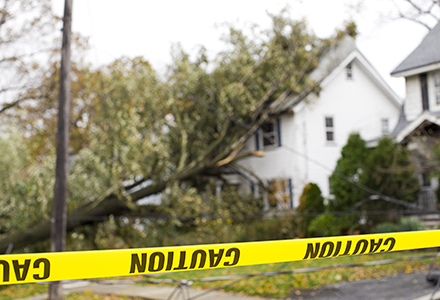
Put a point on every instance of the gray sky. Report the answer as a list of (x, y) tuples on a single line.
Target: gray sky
[(149, 28)]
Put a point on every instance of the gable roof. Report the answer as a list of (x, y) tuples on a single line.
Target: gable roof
[(327, 63), (335, 60), (426, 54), (427, 117)]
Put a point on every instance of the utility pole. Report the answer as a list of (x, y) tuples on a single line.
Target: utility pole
[(59, 211)]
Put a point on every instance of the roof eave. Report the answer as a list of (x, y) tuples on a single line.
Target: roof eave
[(412, 126), (418, 70)]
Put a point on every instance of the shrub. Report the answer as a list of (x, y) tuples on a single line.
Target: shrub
[(405, 224)]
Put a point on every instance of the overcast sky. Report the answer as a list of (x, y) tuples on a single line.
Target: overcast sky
[(149, 28)]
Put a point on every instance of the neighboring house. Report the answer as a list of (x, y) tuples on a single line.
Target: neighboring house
[(303, 143), (419, 125)]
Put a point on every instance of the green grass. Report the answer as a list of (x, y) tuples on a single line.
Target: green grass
[(274, 286), (27, 290), (281, 285), (88, 295), (8, 292)]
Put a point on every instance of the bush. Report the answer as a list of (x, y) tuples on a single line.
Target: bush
[(405, 224), (311, 204)]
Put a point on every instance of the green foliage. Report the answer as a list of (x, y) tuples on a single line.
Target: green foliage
[(350, 29), (350, 164), (386, 169), (389, 171), (311, 203), (330, 225), (311, 200), (404, 224), (25, 188), (128, 126)]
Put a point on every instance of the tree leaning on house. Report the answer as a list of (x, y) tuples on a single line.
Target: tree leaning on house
[(143, 134)]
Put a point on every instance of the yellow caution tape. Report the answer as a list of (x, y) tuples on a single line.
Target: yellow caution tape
[(39, 267)]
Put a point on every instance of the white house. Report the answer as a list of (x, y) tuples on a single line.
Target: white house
[(303, 143), (419, 125)]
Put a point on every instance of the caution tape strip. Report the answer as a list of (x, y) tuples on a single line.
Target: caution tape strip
[(263, 274), (40, 267)]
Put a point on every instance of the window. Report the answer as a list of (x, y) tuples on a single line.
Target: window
[(424, 90), (269, 134), (280, 193), (329, 129), (385, 127), (349, 71), (437, 87)]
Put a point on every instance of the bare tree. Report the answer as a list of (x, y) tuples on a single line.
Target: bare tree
[(423, 12), (27, 32)]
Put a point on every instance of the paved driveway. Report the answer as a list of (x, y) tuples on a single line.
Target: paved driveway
[(399, 287)]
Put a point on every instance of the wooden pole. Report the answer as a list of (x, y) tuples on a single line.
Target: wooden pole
[(59, 211)]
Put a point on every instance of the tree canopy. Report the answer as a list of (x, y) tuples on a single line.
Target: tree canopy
[(135, 134), (372, 180)]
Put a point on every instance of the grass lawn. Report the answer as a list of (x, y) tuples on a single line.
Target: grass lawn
[(281, 285), (270, 286), (28, 290)]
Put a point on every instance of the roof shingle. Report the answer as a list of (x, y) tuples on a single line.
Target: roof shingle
[(427, 53)]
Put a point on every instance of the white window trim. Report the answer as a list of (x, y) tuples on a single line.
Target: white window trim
[(349, 71), (274, 134), (329, 129), (385, 126), (436, 81)]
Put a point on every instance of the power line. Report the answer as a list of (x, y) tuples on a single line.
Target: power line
[(316, 162), (183, 284)]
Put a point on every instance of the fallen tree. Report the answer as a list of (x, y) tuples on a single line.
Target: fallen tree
[(208, 114)]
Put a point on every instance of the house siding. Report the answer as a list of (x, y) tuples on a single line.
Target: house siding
[(356, 105), (413, 101), (431, 92)]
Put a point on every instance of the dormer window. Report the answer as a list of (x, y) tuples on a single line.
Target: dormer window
[(349, 71), (437, 87)]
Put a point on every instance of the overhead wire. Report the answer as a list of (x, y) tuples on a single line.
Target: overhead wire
[(183, 284), (316, 162)]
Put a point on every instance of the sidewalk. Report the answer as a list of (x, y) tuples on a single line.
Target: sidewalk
[(151, 292)]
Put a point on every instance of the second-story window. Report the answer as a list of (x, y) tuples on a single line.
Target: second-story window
[(329, 129), (385, 127), (437, 87), (349, 71), (424, 90), (269, 134)]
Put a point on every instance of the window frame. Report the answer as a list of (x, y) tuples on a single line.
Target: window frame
[(436, 80), (349, 71), (267, 135), (385, 126), (275, 134), (329, 129)]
